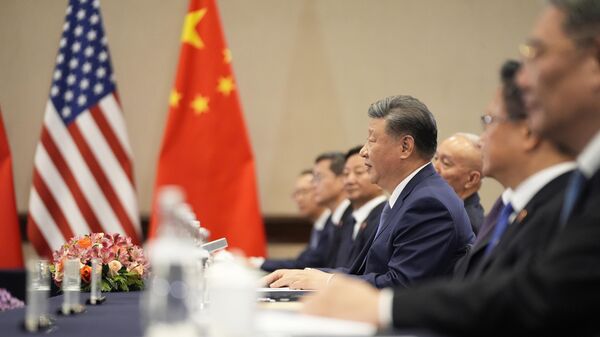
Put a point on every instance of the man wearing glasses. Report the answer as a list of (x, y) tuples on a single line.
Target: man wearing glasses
[(536, 172), (558, 293)]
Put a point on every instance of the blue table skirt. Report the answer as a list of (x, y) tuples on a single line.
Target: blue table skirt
[(118, 316)]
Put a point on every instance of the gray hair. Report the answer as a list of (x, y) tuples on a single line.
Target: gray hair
[(406, 115), (582, 18)]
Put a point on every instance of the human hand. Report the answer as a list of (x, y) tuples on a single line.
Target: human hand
[(297, 279), (347, 298)]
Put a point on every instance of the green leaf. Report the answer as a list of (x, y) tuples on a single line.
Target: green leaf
[(105, 286)]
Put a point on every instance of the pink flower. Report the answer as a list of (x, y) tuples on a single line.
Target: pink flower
[(113, 267)]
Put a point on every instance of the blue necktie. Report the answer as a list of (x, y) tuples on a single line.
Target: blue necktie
[(488, 222), (500, 228), (572, 194), (383, 218)]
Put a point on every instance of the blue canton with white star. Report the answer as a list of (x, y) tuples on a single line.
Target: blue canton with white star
[(83, 73)]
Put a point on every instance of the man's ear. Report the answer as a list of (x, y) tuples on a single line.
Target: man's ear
[(474, 179), (531, 140), (407, 146)]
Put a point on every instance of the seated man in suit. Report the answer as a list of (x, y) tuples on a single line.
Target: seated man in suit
[(329, 193), (533, 168), (367, 201), (305, 199), (424, 228), (558, 292), (458, 161)]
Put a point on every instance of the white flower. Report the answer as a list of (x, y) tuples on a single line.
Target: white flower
[(113, 267)]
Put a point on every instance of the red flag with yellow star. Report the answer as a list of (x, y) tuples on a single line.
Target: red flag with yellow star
[(205, 147), (11, 255)]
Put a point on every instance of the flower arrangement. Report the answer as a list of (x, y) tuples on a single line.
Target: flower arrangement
[(124, 266)]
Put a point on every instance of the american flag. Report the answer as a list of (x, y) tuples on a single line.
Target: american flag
[(82, 179)]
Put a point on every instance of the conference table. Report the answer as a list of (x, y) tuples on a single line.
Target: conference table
[(120, 316)]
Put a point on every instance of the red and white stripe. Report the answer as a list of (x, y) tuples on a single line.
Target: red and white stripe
[(83, 180)]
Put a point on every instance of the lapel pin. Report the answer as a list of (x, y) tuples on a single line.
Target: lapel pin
[(522, 214)]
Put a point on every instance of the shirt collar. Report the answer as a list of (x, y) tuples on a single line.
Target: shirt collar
[(362, 213), (589, 160), (528, 188), (506, 195), (396, 194), (320, 223), (336, 217)]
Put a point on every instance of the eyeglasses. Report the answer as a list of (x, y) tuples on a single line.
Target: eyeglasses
[(489, 119), (529, 51)]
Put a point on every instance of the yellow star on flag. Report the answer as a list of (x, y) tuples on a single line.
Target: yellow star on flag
[(189, 34), (200, 104), (226, 85), (227, 55), (174, 98)]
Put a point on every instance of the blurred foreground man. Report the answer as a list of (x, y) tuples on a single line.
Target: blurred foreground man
[(423, 229), (458, 161), (559, 292), (535, 171)]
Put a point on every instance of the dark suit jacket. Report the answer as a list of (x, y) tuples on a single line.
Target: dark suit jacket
[(529, 233), (349, 248), (555, 293), (320, 257), (474, 211), (425, 233)]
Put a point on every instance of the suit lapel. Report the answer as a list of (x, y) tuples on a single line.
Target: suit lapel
[(426, 172), (542, 197)]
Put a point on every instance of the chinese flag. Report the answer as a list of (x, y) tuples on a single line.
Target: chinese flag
[(205, 148), (11, 256)]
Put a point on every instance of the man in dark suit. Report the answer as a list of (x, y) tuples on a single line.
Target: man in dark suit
[(329, 192), (367, 201), (533, 168), (558, 292), (304, 197), (424, 228), (458, 160)]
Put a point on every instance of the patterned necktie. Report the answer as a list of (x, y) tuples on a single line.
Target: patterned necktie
[(576, 184), (384, 215), (500, 228)]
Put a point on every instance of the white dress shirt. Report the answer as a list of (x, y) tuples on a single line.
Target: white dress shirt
[(588, 160), (398, 190), (361, 214), (336, 217), (521, 195), (321, 220)]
